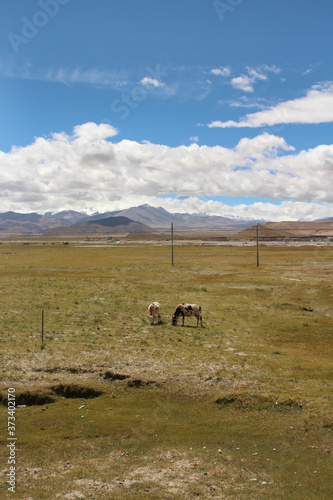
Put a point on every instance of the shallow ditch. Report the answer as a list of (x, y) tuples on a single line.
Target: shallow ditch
[(30, 398), (72, 391), (258, 402), (47, 395), (131, 382)]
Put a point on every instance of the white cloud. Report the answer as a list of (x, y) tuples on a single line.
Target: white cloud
[(315, 107), (92, 132), (117, 79), (245, 102), (287, 210), (311, 69), (222, 71), (69, 76), (87, 168), (264, 145), (243, 82), (246, 82), (149, 82)]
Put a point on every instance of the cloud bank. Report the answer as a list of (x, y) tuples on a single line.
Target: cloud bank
[(315, 107), (89, 170)]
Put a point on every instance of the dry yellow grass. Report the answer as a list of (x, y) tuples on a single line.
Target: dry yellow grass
[(241, 408)]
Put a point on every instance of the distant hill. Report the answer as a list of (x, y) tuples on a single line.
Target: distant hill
[(250, 233), (112, 222), (107, 226), (324, 228), (327, 219), (13, 223), (111, 225), (154, 217), (17, 217), (286, 229)]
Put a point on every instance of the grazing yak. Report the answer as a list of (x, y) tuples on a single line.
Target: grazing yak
[(186, 310), (154, 312)]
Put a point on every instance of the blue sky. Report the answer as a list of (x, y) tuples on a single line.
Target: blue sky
[(223, 107)]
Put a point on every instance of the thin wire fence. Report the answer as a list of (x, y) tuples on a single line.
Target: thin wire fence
[(84, 328), (54, 326)]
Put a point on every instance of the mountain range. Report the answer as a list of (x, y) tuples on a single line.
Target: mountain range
[(143, 218)]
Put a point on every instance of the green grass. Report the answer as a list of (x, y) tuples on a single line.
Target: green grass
[(241, 408)]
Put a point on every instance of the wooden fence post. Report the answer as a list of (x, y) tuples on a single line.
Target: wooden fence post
[(42, 328)]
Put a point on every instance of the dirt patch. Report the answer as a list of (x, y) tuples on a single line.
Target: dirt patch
[(295, 307), (131, 382), (58, 369), (114, 376), (258, 402), (75, 391), (46, 395), (140, 383)]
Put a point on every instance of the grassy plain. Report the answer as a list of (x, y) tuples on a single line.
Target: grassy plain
[(116, 408)]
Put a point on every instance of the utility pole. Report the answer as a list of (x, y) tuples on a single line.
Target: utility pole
[(172, 243), (257, 245)]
